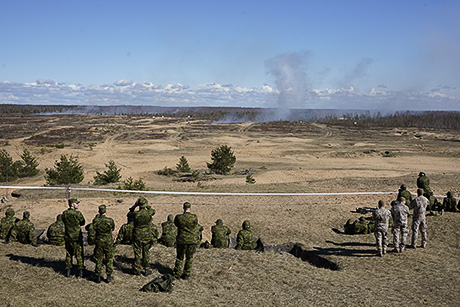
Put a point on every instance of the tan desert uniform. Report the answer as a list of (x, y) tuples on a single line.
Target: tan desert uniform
[(400, 212), (382, 218), (419, 205)]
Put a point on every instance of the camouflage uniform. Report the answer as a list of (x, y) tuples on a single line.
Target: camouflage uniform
[(403, 192), (199, 235), (24, 231), (126, 232), (245, 238), (56, 231), (7, 224), (91, 233), (220, 235), (169, 232), (400, 212), (419, 204), (73, 220), (155, 233), (381, 221), (142, 239), (449, 202), (103, 226), (186, 224), (423, 182)]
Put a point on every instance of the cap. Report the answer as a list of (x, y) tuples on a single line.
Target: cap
[(187, 205), (73, 201), (142, 201), (26, 214), (102, 209)]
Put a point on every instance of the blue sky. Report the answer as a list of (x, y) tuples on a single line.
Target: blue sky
[(297, 54)]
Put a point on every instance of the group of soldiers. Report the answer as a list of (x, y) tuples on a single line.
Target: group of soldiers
[(181, 231)]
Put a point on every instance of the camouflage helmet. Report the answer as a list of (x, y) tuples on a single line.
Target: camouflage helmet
[(142, 202), (219, 222), (187, 205), (102, 209), (403, 187), (26, 214), (9, 212), (170, 218), (246, 225)]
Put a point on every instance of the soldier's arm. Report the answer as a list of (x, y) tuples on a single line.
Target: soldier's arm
[(82, 219), (32, 237)]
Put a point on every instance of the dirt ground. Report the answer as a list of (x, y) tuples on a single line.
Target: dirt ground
[(283, 158)]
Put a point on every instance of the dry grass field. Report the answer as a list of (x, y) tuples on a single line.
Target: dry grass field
[(283, 157)]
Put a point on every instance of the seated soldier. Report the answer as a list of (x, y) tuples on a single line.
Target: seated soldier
[(449, 202), (220, 235), (360, 226), (7, 224), (24, 231), (403, 192), (55, 232), (168, 232), (245, 238), (125, 234)]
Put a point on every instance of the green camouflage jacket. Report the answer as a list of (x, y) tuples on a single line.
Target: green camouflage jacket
[(24, 232), (186, 228), (142, 224), (73, 220), (55, 233), (125, 234), (168, 233), (104, 226), (220, 235), (7, 224)]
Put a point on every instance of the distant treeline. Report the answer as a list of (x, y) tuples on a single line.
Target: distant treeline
[(426, 119), (33, 109)]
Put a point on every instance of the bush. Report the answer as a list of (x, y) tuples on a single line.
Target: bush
[(8, 170), (66, 171), (130, 184), (183, 166), (223, 160), (111, 175), (28, 166), (167, 171)]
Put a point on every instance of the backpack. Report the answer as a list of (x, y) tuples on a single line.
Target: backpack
[(159, 284)]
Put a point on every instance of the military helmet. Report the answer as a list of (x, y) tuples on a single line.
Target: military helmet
[(449, 194), (187, 205), (9, 212), (26, 214), (219, 222), (246, 225), (421, 174), (403, 186)]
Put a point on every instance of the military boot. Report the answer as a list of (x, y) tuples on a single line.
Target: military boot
[(67, 272), (109, 278), (98, 279), (80, 274), (147, 273)]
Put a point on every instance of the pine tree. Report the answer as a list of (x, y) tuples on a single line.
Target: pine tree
[(67, 170), (223, 160), (111, 175), (183, 166)]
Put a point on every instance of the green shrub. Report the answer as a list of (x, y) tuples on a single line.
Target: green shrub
[(131, 184), (183, 166), (223, 160), (67, 170), (111, 175), (28, 166), (167, 172), (8, 170)]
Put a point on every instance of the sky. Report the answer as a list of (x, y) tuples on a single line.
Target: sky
[(345, 54)]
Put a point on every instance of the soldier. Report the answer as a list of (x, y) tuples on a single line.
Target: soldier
[(381, 221), (168, 232), (186, 224), (7, 224), (403, 192), (449, 202), (73, 238), (400, 212), (103, 226), (125, 234), (24, 231), (423, 182), (142, 239), (245, 238), (220, 235), (56, 231), (419, 204)]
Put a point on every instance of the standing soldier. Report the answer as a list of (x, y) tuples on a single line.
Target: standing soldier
[(125, 234), (419, 205), (449, 202), (381, 221), (7, 224), (168, 232), (103, 226), (245, 239), (185, 242), (24, 231), (73, 220), (400, 212), (404, 193), (56, 231), (143, 239), (423, 182), (220, 235)]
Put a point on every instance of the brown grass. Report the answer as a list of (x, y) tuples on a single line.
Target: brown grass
[(289, 158)]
